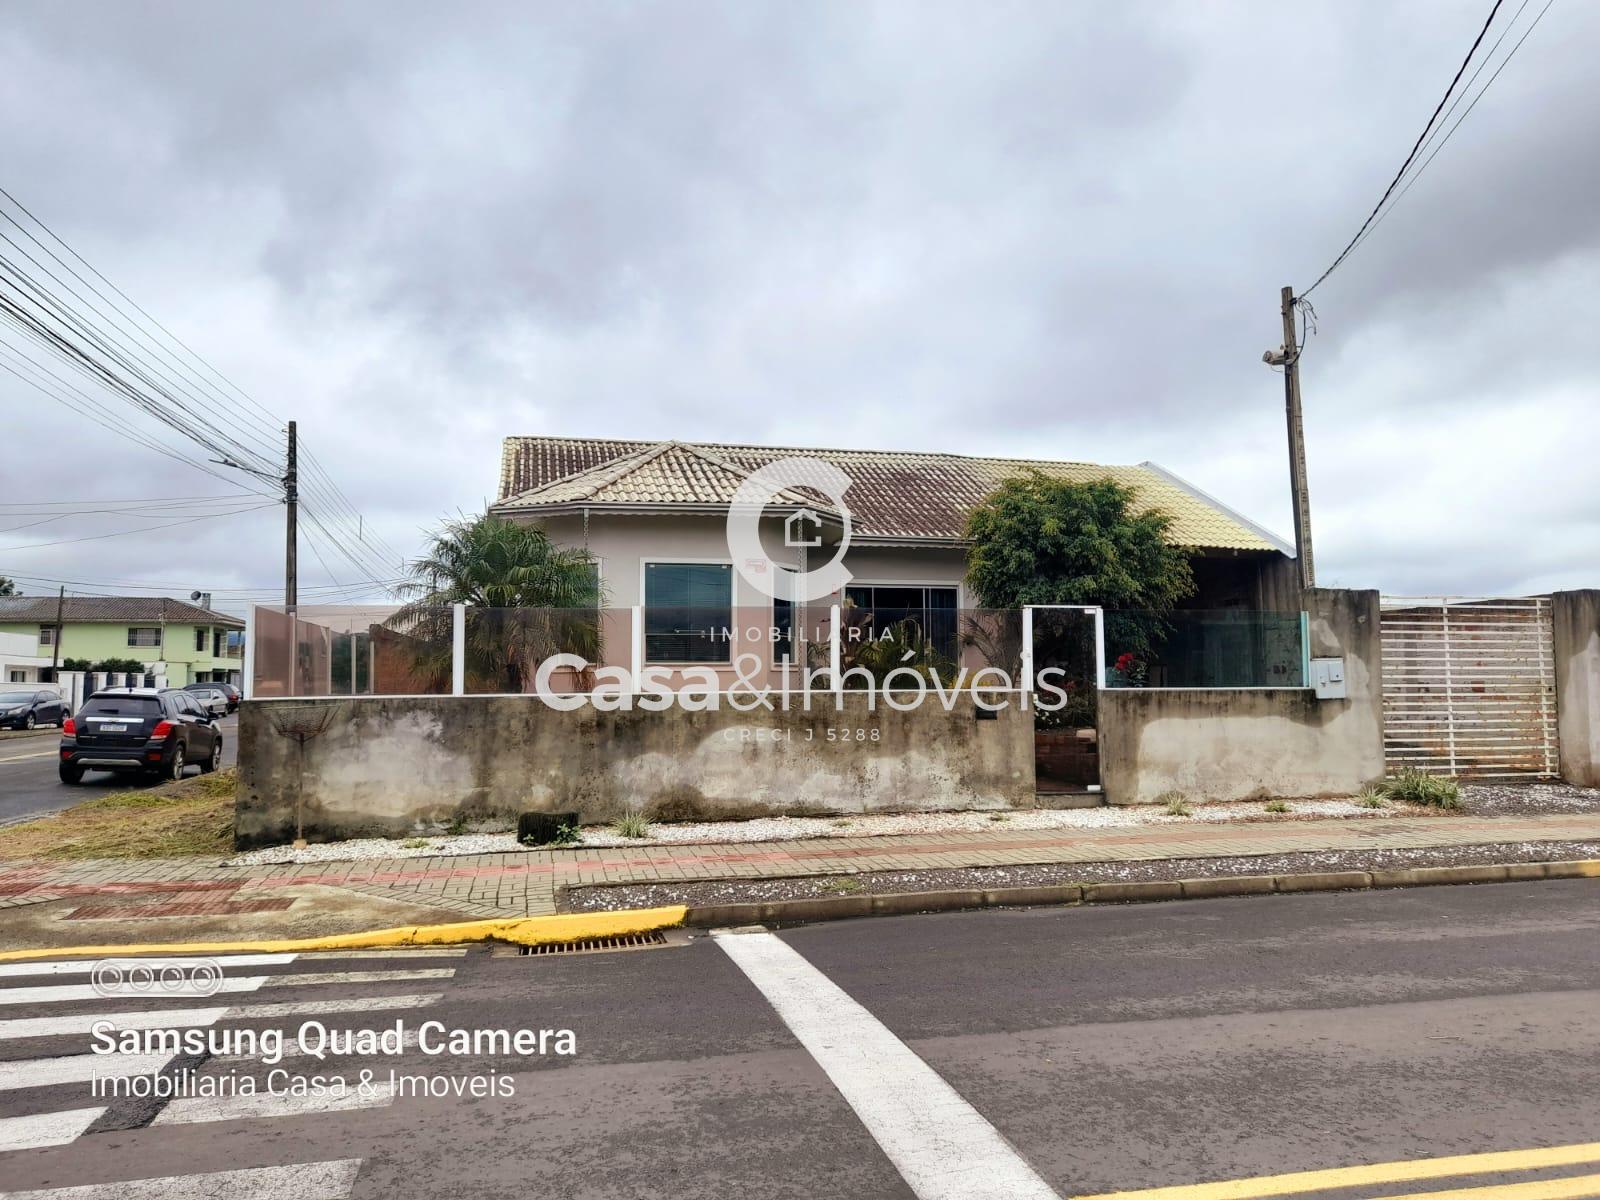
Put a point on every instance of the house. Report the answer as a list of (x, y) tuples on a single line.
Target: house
[(175, 639), (653, 517)]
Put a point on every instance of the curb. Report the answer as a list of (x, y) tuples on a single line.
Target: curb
[(830, 908), (521, 931)]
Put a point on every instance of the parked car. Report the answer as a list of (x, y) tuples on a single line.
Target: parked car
[(233, 694), (23, 709), (139, 729), (211, 697)]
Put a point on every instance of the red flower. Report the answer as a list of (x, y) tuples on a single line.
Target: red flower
[(1124, 661)]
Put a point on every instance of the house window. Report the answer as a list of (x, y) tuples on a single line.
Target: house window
[(144, 635), (200, 640), (216, 643), (19, 677), (47, 635), (688, 612), (783, 646), (930, 611)]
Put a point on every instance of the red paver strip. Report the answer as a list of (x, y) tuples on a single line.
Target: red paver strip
[(181, 908)]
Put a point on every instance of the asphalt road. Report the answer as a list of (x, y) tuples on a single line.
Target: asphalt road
[(990, 1054), (29, 785)]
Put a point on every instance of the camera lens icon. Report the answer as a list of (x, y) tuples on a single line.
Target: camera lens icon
[(156, 978)]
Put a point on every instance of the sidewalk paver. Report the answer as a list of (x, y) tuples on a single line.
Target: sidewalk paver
[(526, 883)]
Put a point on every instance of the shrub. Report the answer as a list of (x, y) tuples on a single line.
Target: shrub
[(1412, 786), (1177, 806), (632, 825), (1277, 806), (1370, 797)]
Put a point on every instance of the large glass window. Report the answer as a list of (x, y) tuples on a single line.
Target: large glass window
[(931, 611), (688, 612), (144, 635)]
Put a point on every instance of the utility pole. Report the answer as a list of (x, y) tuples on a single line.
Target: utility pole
[(1297, 444), (291, 500), (55, 642)]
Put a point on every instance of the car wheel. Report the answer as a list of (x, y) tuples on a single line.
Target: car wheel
[(70, 774), (29, 721), (175, 767), (215, 761)]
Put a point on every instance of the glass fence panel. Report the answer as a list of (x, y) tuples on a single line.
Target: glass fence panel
[(1211, 648), (350, 650)]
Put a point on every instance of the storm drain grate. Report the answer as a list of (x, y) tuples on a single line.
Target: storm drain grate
[(620, 941)]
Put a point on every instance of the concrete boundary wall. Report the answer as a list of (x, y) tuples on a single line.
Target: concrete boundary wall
[(401, 765), (1242, 743), (1576, 619)]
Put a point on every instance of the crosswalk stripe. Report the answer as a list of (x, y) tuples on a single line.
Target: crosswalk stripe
[(181, 1018), (940, 1144), (301, 1181), (46, 1129), (66, 993), (1335, 1178), (77, 1068), (190, 1110), (84, 966), (358, 976), (1578, 1188), (402, 952)]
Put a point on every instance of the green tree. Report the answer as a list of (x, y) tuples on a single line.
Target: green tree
[(8, 587), (1042, 540), (528, 599)]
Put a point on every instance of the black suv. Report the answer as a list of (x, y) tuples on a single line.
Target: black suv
[(23, 709), (139, 729)]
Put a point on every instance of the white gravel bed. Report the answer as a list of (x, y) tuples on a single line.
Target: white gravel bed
[(783, 829)]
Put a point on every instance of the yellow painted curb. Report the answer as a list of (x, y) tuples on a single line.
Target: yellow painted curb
[(521, 931)]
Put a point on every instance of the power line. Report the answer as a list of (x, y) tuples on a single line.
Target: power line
[(1417, 146), (1510, 54), (148, 529)]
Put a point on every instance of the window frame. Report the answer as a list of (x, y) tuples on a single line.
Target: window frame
[(138, 645), (644, 605), (926, 585), (47, 635)]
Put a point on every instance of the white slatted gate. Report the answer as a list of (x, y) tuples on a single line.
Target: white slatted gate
[(1469, 687)]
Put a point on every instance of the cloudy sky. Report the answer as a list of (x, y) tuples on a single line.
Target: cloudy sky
[(1051, 230)]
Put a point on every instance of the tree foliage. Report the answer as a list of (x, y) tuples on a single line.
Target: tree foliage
[(528, 599), (1042, 540), (8, 587)]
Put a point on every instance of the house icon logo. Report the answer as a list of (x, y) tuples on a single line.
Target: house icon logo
[(794, 532)]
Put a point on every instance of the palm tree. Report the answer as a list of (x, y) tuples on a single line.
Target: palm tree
[(528, 599), (7, 587)]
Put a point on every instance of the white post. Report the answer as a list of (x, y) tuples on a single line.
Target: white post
[(1100, 648), (835, 650), (1027, 650), (636, 659), (247, 685), (458, 650)]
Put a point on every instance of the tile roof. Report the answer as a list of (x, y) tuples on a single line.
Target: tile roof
[(893, 495), (110, 610)]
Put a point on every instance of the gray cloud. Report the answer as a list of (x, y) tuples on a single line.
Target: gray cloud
[(1038, 229)]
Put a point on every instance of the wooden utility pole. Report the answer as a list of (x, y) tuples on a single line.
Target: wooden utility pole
[(1297, 444), (291, 500), (55, 642)]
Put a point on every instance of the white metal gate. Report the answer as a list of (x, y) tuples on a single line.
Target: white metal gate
[(1469, 686)]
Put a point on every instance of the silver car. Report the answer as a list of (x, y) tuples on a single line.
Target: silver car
[(213, 699)]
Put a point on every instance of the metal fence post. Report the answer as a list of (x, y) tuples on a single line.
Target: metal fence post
[(1027, 653), (1100, 648), (835, 650), (458, 650), (247, 685)]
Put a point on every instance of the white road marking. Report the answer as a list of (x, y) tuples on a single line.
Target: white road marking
[(303, 1181), (69, 992), (35, 754), (77, 1068), (83, 966), (401, 952), (46, 1129), (191, 1110), (182, 1018), (358, 976), (939, 1143)]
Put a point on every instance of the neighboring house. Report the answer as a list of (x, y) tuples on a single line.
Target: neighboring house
[(652, 516), (190, 644)]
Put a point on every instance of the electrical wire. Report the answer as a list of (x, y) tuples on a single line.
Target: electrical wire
[(1416, 147)]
